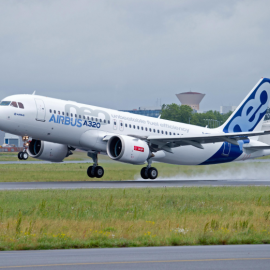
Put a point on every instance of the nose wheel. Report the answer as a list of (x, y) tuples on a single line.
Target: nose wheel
[(95, 170), (22, 156)]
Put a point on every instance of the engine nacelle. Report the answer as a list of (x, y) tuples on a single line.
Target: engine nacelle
[(128, 149), (48, 151)]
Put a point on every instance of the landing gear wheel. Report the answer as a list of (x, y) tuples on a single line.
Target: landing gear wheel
[(89, 172), (20, 155), (24, 156), (152, 173), (99, 171), (143, 173)]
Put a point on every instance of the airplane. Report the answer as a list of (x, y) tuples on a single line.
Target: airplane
[(53, 128)]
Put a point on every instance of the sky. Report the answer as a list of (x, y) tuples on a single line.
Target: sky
[(123, 54)]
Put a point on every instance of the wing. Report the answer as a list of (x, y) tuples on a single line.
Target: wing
[(161, 142)]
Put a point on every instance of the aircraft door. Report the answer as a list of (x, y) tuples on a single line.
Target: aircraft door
[(114, 124), (41, 113), (226, 149), (121, 125)]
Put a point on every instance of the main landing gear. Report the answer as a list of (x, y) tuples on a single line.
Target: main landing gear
[(95, 170), (23, 155), (149, 172)]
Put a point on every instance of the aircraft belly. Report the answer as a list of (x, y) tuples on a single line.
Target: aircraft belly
[(190, 155)]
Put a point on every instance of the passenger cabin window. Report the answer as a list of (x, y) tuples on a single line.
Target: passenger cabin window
[(158, 131), (166, 132), (83, 117), (134, 126), (108, 121), (129, 126), (63, 113), (138, 127), (71, 114), (5, 103), (161, 131), (142, 128), (150, 129), (67, 113), (125, 125), (20, 105), (50, 111), (58, 112), (104, 121), (96, 119), (14, 104), (146, 129), (173, 133), (154, 130), (88, 118), (75, 115), (80, 116), (100, 120), (170, 133), (54, 111), (121, 124)]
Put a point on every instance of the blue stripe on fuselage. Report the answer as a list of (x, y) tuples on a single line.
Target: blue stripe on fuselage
[(222, 157)]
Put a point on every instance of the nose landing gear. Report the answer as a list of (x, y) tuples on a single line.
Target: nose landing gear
[(24, 155), (95, 170), (149, 172)]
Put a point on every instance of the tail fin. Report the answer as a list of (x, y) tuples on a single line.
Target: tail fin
[(249, 115)]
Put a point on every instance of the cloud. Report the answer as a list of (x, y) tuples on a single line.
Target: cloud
[(126, 54)]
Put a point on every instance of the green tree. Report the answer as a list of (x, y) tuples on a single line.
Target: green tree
[(175, 112), (184, 114)]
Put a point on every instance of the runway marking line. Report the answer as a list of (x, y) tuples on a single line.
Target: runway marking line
[(133, 262)]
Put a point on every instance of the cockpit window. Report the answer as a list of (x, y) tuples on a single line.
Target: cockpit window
[(14, 104), (5, 103), (20, 105)]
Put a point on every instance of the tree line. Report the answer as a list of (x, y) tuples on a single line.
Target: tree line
[(184, 114)]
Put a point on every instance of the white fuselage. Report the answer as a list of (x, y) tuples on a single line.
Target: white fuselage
[(54, 120)]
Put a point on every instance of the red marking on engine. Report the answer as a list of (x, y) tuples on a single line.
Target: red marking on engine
[(138, 148)]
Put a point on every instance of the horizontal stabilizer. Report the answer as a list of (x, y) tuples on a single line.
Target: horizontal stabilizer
[(252, 149)]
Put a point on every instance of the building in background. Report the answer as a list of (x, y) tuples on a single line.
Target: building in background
[(146, 111), (12, 140), (2, 137), (192, 99), (226, 109)]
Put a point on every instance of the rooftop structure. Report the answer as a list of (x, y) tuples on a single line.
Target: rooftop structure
[(191, 99), (226, 109), (146, 111)]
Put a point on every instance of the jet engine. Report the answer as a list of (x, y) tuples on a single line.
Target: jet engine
[(128, 149), (48, 151)]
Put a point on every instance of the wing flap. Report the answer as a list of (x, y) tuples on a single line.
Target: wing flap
[(198, 140)]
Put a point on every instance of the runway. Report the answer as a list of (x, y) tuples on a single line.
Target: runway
[(191, 257), (129, 184)]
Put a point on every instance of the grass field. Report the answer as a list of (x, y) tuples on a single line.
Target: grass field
[(77, 156), (43, 219), (9, 156), (119, 171)]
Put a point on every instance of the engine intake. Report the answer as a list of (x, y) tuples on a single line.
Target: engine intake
[(128, 149), (48, 151)]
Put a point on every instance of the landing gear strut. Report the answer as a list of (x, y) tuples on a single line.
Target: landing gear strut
[(95, 170), (149, 172), (23, 155)]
